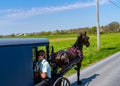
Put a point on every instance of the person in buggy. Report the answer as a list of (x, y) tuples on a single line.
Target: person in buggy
[(44, 68)]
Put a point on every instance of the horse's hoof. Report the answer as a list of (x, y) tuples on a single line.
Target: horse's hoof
[(79, 82)]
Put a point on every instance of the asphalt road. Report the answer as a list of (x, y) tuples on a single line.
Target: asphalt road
[(103, 73)]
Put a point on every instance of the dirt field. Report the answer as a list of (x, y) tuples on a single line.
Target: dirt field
[(61, 39)]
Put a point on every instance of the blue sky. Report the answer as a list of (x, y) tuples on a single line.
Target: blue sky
[(26, 16)]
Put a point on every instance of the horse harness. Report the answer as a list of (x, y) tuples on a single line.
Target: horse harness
[(74, 50)]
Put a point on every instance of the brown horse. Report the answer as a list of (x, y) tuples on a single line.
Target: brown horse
[(63, 58)]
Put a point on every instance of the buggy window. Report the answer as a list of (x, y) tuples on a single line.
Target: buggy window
[(34, 54)]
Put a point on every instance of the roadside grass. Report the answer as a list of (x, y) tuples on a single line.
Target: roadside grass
[(110, 44), (51, 37)]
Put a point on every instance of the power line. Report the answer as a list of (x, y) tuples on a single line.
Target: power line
[(114, 4)]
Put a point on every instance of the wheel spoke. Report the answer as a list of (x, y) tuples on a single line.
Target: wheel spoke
[(62, 82)]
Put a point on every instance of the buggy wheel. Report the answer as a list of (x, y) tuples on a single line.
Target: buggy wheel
[(62, 81)]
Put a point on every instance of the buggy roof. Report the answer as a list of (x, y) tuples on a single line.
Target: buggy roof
[(24, 41)]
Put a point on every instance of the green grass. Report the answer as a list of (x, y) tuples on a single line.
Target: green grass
[(110, 44), (52, 36)]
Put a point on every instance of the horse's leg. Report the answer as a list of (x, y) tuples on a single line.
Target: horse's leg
[(78, 73)]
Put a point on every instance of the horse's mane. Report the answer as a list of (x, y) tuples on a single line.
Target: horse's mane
[(78, 43)]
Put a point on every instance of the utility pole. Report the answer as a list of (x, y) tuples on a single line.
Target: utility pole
[(97, 23)]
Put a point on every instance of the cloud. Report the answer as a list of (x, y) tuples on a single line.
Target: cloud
[(14, 14), (104, 1)]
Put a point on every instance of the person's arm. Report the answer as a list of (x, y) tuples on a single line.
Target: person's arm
[(43, 73)]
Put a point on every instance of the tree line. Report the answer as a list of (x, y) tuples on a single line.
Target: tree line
[(111, 27)]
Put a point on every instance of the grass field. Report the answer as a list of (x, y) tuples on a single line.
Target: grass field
[(110, 44)]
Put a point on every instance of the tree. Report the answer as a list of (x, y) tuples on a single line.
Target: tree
[(93, 30), (112, 27)]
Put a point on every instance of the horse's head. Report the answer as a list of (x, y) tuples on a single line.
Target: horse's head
[(85, 39), (82, 40)]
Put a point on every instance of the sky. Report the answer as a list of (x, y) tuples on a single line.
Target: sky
[(28, 16)]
